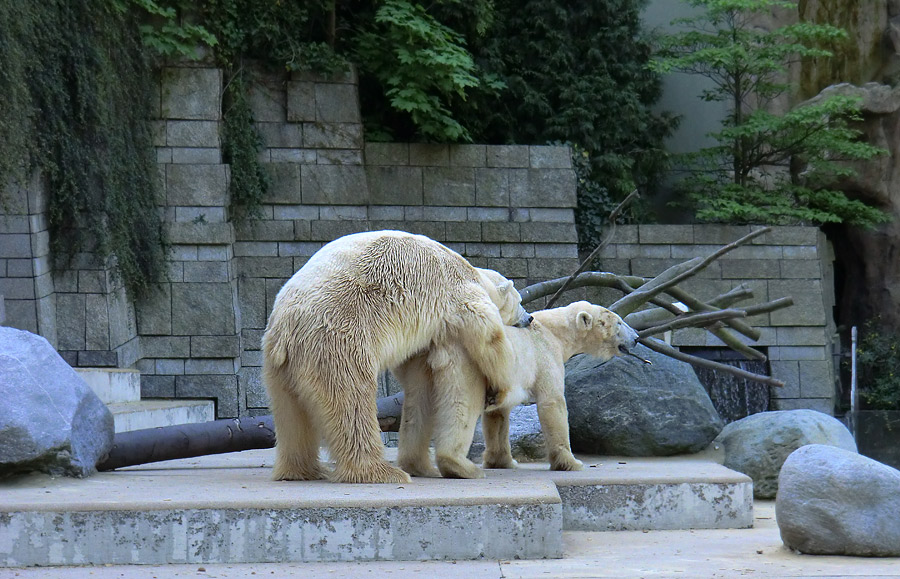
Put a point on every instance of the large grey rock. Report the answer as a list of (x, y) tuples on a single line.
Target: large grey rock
[(759, 444), (526, 439), (51, 421), (625, 407), (836, 502)]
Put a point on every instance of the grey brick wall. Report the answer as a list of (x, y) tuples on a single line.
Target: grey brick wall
[(510, 208), (789, 261)]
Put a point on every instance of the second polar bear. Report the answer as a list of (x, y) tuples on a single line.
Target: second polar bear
[(443, 385), (362, 304)]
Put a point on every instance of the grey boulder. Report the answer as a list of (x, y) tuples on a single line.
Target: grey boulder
[(628, 408), (52, 421), (759, 444), (836, 502)]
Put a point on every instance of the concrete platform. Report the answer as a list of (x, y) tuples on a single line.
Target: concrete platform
[(700, 554), (224, 509)]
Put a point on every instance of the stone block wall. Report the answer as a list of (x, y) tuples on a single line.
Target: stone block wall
[(510, 208), (82, 309), (789, 261)]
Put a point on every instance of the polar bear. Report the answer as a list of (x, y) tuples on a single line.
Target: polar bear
[(362, 304), (444, 385)]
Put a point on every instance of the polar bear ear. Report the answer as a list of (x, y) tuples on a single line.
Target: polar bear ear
[(584, 320), (504, 286)]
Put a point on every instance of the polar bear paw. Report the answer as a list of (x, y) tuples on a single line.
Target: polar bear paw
[(288, 471), (498, 460), (422, 468), (565, 461), (451, 467), (376, 472)]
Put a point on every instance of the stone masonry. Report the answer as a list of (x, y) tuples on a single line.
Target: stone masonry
[(510, 208), (789, 261)]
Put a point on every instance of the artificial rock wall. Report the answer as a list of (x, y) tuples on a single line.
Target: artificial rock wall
[(510, 208)]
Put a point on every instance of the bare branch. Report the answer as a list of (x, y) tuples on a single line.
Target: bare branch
[(665, 349), (603, 243), (735, 344), (697, 305), (643, 319), (771, 306), (631, 302), (692, 320), (654, 287), (590, 278)]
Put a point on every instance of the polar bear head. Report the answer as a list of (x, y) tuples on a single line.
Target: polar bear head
[(600, 332), (505, 296)]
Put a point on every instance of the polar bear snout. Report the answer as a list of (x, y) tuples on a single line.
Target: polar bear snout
[(525, 319), (628, 338)]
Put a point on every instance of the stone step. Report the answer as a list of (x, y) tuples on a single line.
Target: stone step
[(152, 413), (225, 509), (113, 385)]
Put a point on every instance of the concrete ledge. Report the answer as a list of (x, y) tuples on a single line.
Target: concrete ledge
[(136, 415), (224, 509)]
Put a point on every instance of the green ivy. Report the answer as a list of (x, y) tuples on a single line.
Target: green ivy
[(241, 145), (76, 87)]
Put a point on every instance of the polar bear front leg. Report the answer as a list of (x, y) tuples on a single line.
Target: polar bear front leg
[(497, 452), (554, 417), (457, 402), (417, 417)]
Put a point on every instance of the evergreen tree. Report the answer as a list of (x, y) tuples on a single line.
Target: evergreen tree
[(766, 167), (576, 72)]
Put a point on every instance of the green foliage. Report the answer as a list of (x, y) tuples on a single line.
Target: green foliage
[(421, 66), (241, 144), (163, 32), (878, 366), (576, 72), (766, 168), (75, 98)]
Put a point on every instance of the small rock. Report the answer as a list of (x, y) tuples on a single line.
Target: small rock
[(626, 407), (836, 502), (759, 444), (51, 421)]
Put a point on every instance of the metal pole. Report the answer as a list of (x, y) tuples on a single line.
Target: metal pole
[(854, 391)]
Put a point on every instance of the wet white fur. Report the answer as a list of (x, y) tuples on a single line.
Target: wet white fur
[(362, 304), (445, 386)]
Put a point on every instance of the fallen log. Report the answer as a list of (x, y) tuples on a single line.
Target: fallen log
[(214, 437)]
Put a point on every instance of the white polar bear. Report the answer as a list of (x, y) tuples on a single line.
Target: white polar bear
[(444, 385), (362, 304)]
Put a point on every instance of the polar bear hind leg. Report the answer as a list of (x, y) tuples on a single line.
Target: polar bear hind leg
[(350, 425), (497, 453), (417, 417), (297, 443), (458, 400)]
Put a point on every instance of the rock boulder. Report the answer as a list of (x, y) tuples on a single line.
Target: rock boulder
[(759, 444), (51, 421), (628, 408), (836, 502)]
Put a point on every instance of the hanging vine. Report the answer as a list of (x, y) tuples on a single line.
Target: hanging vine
[(75, 86)]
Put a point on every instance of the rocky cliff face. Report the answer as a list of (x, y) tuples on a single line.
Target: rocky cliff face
[(870, 60)]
